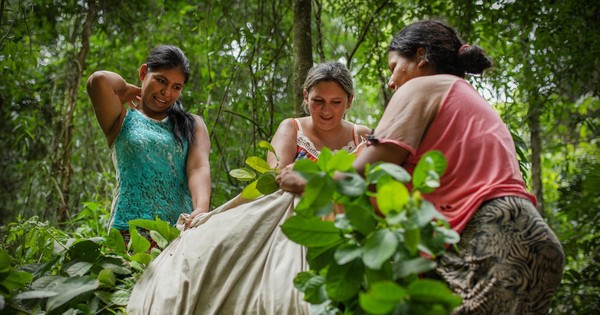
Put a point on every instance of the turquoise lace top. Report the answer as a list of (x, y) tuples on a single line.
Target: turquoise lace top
[(151, 177)]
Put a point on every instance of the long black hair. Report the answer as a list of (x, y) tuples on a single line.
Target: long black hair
[(443, 48), (170, 57)]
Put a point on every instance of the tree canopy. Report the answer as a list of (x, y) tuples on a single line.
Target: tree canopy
[(544, 83)]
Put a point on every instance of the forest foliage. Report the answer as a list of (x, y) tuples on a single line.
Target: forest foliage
[(57, 176)]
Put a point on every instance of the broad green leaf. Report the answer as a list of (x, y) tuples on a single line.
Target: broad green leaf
[(429, 169), (395, 171), (137, 243), (107, 277), (142, 258), (4, 261), (313, 287), (320, 257), (15, 279), (361, 218), (324, 158), (412, 238), (250, 192), (346, 254), (35, 294), (159, 239), (78, 268), (120, 297), (405, 268), (433, 292), (69, 289), (391, 196), (450, 235), (115, 241), (85, 250), (266, 145), (266, 184), (243, 174), (382, 297), (379, 247), (306, 167), (351, 184), (310, 231), (343, 281), (258, 164), (341, 161), (317, 197), (426, 213)]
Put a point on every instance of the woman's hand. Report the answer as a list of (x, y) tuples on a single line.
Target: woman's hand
[(192, 215), (130, 93), (290, 180)]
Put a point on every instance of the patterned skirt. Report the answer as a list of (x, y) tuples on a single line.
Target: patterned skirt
[(509, 261)]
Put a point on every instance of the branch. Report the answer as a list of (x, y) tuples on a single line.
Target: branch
[(364, 32)]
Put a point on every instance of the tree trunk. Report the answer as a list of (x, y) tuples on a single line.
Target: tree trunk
[(533, 121), (74, 71), (303, 60)]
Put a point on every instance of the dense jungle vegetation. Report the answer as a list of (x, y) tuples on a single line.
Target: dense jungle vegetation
[(247, 57)]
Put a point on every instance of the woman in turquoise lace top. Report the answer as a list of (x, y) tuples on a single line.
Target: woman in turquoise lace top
[(160, 151)]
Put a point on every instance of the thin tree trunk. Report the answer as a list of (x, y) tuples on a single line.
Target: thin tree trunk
[(303, 60), (74, 73), (533, 121)]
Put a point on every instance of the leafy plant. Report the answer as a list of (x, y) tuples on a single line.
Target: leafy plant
[(66, 273), (264, 183), (370, 258)]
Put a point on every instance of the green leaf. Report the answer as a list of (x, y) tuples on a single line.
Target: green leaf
[(426, 213), (85, 250), (429, 169), (142, 258), (379, 247), (15, 279), (4, 261), (137, 243), (313, 287), (120, 297), (243, 174), (115, 241), (258, 164), (159, 239), (341, 161), (382, 297), (78, 268), (310, 231), (306, 167), (405, 268), (361, 218), (324, 158), (352, 185), (412, 238), (69, 289), (107, 277), (266, 184), (35, 294), (430, 292), (347, 253), (317, 197), (395, 171), (343, 281), (266, 145), (391, 196), (250, 192)]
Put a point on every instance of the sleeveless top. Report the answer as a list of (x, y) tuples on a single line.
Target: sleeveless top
[(306, 149), (151, 174), (445, 113)]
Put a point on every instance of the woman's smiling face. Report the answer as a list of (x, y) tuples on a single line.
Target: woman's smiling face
[(327, 102), (160, 90)]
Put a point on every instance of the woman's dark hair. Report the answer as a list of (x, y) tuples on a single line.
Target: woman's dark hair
[(444, 49), (171, 57)]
